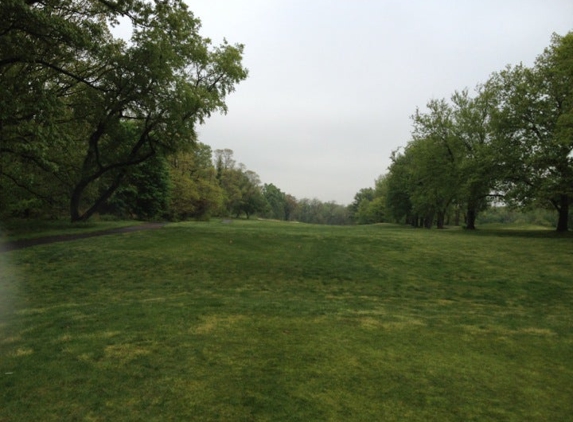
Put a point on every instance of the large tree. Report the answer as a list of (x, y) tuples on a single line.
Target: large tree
[(448, 163), (534, 129), (106, 104), (476, 163)]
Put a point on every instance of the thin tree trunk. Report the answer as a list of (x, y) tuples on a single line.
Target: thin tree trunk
[(429, 220), (413, 220), (75, 200), (457, 217), (440, 220), (471, 218), (563, 209)]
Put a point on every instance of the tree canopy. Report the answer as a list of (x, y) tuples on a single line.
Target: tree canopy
[(81, 108), (512, 141), (533, 119)]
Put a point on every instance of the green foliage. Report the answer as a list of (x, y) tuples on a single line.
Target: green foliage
[(534, 129), (450, 158), (369, 204), (276, 200), (242, 191), (279, 321), (291, 206), (316, 212), (196, 191), (512, 141), (398, 201), (85, 107), (509, 217), (145, 192), (252, 199), (370, 212), (365, 194)]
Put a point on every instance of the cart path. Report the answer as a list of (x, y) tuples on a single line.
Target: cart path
[(27, 243)]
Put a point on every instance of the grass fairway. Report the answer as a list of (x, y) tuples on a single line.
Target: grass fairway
[(260, 321)]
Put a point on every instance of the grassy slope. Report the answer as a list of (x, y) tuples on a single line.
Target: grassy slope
[(269, 321)]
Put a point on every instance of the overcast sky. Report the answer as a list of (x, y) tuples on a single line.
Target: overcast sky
[(332, 84)]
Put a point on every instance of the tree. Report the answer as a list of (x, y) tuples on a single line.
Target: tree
[(224, 161), (363, 195), (110, 104), (252, 199), (533, 121), (291, 205), (196, 191), (398, 202), (276, 200), (369, 205), (478, 169), (40, 43), (316, 212), (448, 163), (435, 166), (242, 189), (145, 193)]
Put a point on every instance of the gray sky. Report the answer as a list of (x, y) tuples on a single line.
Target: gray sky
[(333, 84)]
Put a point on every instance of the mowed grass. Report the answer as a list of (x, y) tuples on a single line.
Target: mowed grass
[(261, 321), (30, 229)]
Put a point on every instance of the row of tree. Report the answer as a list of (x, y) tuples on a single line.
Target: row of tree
[(203, 183), (511, 142)]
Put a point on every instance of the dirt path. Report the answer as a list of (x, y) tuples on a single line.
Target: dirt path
[(26, 243)]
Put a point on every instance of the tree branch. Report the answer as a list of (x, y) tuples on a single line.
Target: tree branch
[(47, 199)]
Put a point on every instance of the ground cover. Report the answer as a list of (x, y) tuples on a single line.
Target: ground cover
[(30, 229), (274, 321)]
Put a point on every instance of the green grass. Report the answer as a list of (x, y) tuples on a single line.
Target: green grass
[(261, 321), (515, 226), (29, 229)]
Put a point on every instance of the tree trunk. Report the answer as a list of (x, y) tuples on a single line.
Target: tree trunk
[(563, 209), (471, 218), (77, 195), (457, 217), (411, 220), (440, 220), (75, 202), (429, 220)]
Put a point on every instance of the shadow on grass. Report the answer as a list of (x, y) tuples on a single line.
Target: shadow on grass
[(26, 243)]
